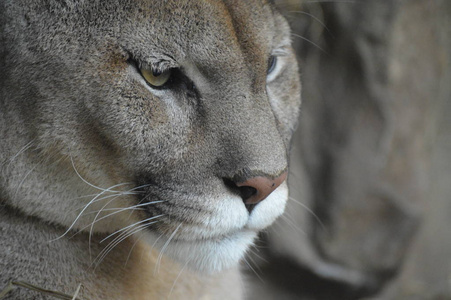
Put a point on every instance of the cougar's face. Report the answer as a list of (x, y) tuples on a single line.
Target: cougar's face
[(167, 120)]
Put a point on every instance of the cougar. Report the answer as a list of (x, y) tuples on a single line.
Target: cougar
[(143, 143)]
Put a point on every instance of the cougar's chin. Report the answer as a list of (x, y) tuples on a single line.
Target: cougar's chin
[(209, 255)]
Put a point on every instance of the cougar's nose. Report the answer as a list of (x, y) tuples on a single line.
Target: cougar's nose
[(256, 189)]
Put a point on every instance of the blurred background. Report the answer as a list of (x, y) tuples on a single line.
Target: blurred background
[(369, 215)]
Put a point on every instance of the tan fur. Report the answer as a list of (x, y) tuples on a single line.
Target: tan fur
[(90, 150), (140, 279)]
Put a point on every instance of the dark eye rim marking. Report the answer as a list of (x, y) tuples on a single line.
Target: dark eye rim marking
[(177, 81), (272, 63)]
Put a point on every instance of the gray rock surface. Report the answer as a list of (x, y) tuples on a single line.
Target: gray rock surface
[(371, 173)]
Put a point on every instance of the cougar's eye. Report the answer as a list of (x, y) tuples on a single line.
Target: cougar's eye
[(272, 62), (155, 78)]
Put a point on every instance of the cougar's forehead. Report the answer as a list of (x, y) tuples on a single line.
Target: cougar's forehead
[(241, 33), (218, 36)]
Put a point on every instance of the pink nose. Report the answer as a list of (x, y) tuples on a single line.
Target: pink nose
[(256, 189)]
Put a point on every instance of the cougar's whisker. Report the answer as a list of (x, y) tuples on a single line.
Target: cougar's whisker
[(160, 255), (121, 193), (253, 270), (92, 185), (115, 195), (22, 150), (86, 206), (132, 248), (257, 267), (256, 254), (98, 200), (94, 212), (23, 180), (109, 209), (95, 218), (293, 224), (129, 226), (117, 241), (313, 17), (309, 41), (178, 276), (28, 174), (309, 211), (124, 235)]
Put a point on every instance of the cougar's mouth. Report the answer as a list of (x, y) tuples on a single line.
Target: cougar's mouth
[(208, 232)]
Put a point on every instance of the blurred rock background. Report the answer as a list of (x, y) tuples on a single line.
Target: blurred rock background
[(370, 209)]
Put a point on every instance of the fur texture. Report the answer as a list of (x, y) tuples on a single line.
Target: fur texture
[(139, 172)]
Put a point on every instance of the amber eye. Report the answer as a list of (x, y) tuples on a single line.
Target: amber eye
[(272, 62), (156, 79)]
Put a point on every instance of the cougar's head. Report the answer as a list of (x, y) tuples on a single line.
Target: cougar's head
[(166, 120)]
